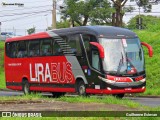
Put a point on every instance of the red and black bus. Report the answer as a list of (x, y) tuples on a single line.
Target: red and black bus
[(86, 60)]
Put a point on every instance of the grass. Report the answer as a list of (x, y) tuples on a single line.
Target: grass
[(2, 80), (2, 76), (152, 64), (23, 97), (76, 99), (106, 100)]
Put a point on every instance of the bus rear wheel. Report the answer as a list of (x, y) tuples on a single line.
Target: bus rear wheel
[(81, 88), (26, 87), (118, 95), (58, 94)]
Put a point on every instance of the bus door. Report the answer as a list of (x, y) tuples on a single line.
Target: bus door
[(92, 66)]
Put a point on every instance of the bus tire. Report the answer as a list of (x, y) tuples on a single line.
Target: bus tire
[(81, 88), (58, 94), (118, 95), (26, 87)]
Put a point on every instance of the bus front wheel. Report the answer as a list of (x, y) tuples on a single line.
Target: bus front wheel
[(26, 87), (118, 95), (81, 88), (58, 94)]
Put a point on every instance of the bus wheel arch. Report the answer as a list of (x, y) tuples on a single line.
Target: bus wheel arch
[(80, 87), (25, 86)]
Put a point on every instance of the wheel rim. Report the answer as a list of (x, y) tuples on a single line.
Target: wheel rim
[(82, 89), (26, 88)]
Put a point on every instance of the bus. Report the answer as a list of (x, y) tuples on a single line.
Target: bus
[(84, 60)]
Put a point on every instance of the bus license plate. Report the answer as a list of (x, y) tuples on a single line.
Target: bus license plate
[(128, 89)]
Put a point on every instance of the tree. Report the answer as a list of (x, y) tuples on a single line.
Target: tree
[(102, 14), (147, 22), (145, 4), (81, 12), (62, 24), (31, 30), (118, 5), (117, 16)]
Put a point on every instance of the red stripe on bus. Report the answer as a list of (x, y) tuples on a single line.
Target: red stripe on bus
[(29, 37), (15, 87), (32, 88), (116, 91)]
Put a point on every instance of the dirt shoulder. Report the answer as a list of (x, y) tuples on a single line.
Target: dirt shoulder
[(44, 105)]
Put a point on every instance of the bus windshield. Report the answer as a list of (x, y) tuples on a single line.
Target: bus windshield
[(122, 56)]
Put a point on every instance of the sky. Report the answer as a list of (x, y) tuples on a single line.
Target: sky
[(37, 13)]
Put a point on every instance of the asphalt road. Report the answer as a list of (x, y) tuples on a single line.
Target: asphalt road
[(147, 101)]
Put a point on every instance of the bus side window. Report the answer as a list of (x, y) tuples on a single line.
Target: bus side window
[(11, 49), (74, 43), (34, 48), (95, 59), (57, 49), (86, 40), (46, 47), (22, 49)]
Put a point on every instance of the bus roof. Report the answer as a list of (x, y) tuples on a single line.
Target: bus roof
[(105, 31), (99, 31)]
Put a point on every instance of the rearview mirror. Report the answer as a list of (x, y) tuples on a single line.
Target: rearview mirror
[(150, 50), (100, 48)]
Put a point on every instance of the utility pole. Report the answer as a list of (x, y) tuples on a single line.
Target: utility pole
[(54, 15), (139, 19)]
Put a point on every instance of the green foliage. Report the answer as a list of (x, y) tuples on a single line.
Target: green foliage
[(152, 64), (128, 9), (102, 14), (83, 11), (31, 30), (145, 4), (1, 56), (64, 24), (151, 23), (2, 76), (2, 80)]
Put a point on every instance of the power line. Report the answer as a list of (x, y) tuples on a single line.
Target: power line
[(22, 17), (35, 1), (146, 12), (24, 13), (33, 7), (36, 21)]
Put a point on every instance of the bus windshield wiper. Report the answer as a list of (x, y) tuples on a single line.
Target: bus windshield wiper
[(120, 65)]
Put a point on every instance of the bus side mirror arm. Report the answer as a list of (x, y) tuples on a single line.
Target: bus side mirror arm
[(150, 50), (100, 48)]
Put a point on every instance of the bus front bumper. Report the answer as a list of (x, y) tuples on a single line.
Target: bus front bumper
[(113, 87), (115, 91)]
